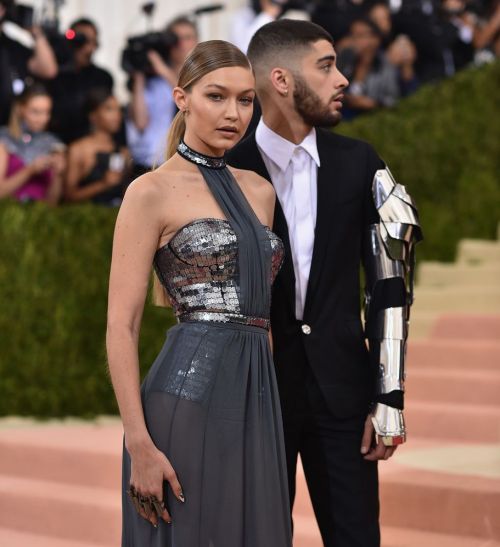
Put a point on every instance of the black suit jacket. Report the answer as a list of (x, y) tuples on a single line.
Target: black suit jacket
[(335, 349)]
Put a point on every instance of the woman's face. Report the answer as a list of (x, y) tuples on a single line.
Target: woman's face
[(219, 109), (35, 113), (108, 117)]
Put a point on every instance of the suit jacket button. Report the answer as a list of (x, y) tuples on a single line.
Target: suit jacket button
[(306, 329)]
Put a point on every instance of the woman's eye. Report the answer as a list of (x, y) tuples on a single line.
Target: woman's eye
[(215, 96), (246, 100)]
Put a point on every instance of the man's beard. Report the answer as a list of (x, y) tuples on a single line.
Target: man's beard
[(310, 108)]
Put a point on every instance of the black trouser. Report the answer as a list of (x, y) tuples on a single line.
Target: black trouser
[(342, 485)]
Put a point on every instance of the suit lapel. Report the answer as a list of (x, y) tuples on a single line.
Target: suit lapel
[(323, 221)]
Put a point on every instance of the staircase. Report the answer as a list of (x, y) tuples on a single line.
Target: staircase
[(59, 481)]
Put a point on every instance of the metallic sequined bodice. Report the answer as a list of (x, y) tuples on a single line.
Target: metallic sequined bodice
[(199, 266)]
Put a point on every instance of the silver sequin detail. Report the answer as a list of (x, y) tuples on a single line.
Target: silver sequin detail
[(219, 317), (199, 267), (200, 159), (194, 379)]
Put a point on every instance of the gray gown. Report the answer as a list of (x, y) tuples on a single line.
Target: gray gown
[(210, 398)]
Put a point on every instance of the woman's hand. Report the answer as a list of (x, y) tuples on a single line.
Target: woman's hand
[(149, 469), (40, 164)]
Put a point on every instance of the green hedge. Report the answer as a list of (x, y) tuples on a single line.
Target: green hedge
[(54, 267), (442, 143)]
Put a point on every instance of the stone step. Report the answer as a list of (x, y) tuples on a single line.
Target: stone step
[(456, 505), (453, 421), (65, 512), (467, 327), (444, 354), (440, 502), (82, 510), (444, 274), (458, 299), (450, 385), (473, 251), (15, 538), (307, 535), (85, 455), (421, 323)]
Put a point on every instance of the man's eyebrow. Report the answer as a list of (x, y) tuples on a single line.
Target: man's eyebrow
[(326, 58), (218, 86)]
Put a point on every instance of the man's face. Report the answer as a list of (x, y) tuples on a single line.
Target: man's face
[(318, 86), (83, 55), (188, 38)]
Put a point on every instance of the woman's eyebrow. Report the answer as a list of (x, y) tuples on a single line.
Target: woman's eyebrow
[(223, 88)]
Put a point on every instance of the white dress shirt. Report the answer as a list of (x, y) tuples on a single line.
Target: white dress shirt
[(294, 173)]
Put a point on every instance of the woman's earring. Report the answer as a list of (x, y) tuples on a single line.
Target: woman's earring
[(285, 93)]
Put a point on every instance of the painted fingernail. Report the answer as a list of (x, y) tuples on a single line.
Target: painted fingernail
[(181, 497), (364, 450)]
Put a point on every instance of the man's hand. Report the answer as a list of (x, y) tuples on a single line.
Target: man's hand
[(372, 450)]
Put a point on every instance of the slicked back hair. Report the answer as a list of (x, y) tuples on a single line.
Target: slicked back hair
[(281, 41)]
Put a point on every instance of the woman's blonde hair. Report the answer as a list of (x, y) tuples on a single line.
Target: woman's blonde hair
[(205, 58), (15, 121)]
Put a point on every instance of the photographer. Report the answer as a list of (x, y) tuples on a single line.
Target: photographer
[(75, 80), (249, 19), (152, 108), (18, 62)]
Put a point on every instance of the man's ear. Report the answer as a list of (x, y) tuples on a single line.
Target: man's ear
[(281, 80), (180, 98)]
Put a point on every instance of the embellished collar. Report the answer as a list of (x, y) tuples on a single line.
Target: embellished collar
[(212, 162)]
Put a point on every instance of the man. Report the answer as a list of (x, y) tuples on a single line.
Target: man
[(337, 206), (18, 63), (152, 107), (71, 87)]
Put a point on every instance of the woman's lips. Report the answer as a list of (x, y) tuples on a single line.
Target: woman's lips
[(229, 131)]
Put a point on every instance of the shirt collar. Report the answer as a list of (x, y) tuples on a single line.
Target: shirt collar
[(280, 150)]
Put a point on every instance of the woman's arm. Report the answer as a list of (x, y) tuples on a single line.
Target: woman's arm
[(138, 109), (58, 166), (8, 185), (136, 238), (76, 172)]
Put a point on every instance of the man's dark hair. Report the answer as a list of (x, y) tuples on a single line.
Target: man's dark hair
[(283, 37), (84, 22)]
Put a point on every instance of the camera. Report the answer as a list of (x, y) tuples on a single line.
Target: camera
[(19, 14), (135, 55)]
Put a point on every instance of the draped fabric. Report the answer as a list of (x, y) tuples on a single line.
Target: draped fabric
[(210, 398)]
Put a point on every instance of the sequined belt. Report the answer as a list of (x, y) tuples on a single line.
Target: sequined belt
[(222, 317)]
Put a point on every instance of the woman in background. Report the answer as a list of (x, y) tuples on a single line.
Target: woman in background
[(32, 160), (97, 164)]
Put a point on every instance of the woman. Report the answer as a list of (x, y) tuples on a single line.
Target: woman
[(32, 161), (207, 418), (97, 164)]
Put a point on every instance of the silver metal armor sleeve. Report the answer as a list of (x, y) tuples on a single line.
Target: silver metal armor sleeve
[(389, 264)]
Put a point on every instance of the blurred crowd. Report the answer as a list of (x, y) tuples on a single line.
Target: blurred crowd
[(64, 136)]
